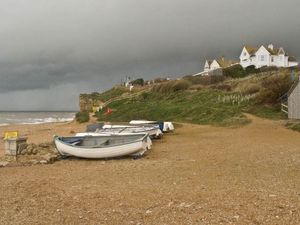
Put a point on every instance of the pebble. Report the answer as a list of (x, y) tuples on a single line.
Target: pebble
[(3, 164), (236, 217), (185, 205), (272, 196), (23, 152), (43, 162), (148, 211), (44, 145), (34, 151), (34, 162), (50, 158), (29, 151), (170, 203)]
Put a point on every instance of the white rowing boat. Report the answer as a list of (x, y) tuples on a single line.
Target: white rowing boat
[(166, 126), (152, 130), (108, 146), (106, 134)]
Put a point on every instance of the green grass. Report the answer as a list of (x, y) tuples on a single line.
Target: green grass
[(265, 111), (208, 105), (105, 96), (82, 117), (201, 107), (293, 126)]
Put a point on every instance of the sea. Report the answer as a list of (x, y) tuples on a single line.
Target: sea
[(10, 118)]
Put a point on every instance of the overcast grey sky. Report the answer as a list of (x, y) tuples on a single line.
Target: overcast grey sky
[(50, 51)]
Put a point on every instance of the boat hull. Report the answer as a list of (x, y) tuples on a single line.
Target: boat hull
[(137, 147), (95, 134)]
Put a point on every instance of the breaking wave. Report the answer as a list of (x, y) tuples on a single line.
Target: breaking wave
[(8, 118), (47, 120)]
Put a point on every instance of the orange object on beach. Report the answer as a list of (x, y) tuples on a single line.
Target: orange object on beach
[(11, 134)]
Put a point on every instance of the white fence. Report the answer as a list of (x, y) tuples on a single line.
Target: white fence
[(284, 108)]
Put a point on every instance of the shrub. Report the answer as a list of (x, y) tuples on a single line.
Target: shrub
[(139, 81), (251, 70), (160, 80), (222, 87), (250, 88), (164, 87), (179, 85), (93, 95), (273, 88), (82, 117), (145, 95), (268, 69), (197, 87), (204, 80), (172, 86), (236, 71)]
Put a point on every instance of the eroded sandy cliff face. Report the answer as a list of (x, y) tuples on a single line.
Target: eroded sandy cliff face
[(88, 101)]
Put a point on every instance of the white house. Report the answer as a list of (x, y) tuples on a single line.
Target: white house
[(215, 64), (263, 56), (127, 81)]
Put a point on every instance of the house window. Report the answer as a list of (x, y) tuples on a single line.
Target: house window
[(245, 53), (272, 59), (262, 58)]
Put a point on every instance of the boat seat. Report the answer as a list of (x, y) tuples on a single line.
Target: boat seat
[(76, 143), (104, 143)]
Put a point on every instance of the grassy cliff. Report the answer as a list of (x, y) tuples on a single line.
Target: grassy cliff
[(204, 100), (203, 107)]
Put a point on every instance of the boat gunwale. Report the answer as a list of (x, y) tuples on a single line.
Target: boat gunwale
[(124, 129)]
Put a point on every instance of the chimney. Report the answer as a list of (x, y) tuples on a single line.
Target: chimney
[(223, 58), (271, 46)]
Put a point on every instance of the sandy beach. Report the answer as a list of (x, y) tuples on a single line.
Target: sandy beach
[(41, 133), (197, 175)]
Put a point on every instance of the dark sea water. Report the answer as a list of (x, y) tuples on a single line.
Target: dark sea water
[(8, 118)]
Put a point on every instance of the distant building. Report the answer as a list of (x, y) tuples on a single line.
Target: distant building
[(215, 64), (127, 81), (262, 56)]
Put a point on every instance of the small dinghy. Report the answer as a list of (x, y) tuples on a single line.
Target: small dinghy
[(108, 146), (153, 130), (164, 126)]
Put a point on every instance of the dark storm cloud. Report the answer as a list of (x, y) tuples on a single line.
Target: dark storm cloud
[(50, 51)]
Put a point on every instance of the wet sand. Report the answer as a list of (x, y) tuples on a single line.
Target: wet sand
[(197, 175)]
